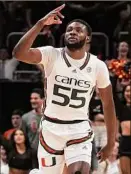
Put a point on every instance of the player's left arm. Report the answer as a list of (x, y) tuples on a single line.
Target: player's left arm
[(106, 95), (109, 113)]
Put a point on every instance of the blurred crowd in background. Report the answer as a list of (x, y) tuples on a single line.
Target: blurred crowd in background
[(111, 42)]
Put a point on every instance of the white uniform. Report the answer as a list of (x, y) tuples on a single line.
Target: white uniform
[(70, 85)]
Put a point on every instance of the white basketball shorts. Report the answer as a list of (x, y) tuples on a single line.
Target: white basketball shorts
[(61, 144)]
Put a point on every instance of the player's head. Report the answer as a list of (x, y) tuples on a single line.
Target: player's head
[(36, 98), (78, 34)]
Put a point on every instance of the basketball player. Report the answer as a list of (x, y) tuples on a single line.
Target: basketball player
[(72, 74)]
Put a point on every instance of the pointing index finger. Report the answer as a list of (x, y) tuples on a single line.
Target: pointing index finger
[(59, 8)]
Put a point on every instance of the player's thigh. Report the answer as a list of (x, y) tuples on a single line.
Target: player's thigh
[(50, 163), (78, 157), (125, 164), (56, 169), (50, 153)]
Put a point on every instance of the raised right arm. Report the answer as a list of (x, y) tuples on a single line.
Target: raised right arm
[(23, 51)]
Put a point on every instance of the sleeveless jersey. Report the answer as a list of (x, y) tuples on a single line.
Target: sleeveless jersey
[(70, 85)]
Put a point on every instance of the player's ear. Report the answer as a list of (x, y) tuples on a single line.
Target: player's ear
[(88, 39)]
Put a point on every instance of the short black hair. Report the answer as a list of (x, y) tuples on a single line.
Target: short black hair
[(88, 27), (17, 112), (38, 91)]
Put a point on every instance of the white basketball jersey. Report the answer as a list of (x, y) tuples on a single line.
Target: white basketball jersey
[(70, 83)]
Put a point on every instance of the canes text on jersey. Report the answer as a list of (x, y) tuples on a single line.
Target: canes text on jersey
[(72, 81)]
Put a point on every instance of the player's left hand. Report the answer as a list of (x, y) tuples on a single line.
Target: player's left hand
[(105, 152)]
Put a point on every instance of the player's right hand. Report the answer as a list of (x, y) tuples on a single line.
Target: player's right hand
[(105, 152), (54, 17)]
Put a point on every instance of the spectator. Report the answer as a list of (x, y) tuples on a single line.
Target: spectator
[(112, 164), (124, 117), (16, 120), (10, 67), (4, 168), (21, 158), (100, 131), (116, 69), (3, 60), (32, 119)]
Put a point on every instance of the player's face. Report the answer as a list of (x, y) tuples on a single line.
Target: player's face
[(75, 35), (19, 137), (16, 120), (123, 48), (36, 101)]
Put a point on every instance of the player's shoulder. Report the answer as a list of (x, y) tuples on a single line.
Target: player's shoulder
[(92, 56), (52, 53), (50, 49), (99, 63), (96, 59)]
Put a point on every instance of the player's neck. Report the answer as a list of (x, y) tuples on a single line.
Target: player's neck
[(75, 54)]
